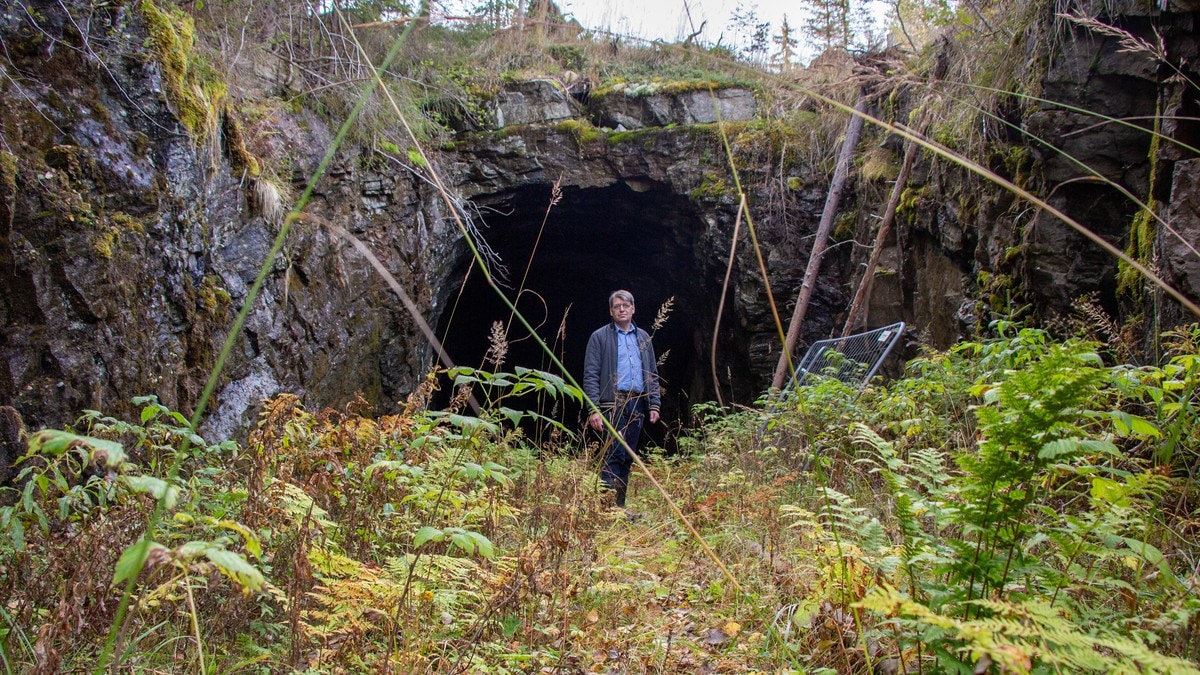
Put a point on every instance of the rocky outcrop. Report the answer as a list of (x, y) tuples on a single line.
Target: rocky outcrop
[(129, 245), (1183, 215), (536, 101), (623, 106), (1089, 156), (1100, 74), (129, 241), (633, 107)]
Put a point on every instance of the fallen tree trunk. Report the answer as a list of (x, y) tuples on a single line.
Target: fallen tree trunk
[(837, 185), (885, 228)]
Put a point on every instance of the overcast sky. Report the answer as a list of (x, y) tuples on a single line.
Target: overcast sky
[(668, 19)]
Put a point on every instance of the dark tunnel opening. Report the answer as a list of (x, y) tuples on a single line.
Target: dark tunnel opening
[(648, 241)]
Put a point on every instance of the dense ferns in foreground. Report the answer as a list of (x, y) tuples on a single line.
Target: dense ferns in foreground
[(1011, 505)]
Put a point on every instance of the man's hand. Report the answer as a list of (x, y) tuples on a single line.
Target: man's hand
[(653, 417), (595, 421)]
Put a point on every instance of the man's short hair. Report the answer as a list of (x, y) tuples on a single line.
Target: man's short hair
[(624, 295)]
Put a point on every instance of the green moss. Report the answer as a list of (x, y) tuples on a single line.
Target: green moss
[(1011, 253), (844, 226), (1143, 230), (211, 297), (193, 87), (582, 130), (796, 183), (968, 208), (768, 141), (910, 200), (241, 160), (996, 291), (104, 243), (733, 129), (127, 222), (110, 230), (1017, 159), (711, 188), (879, 164), (8, 169), (633, 136), (1142, 233), (8, 185), (656, 86)]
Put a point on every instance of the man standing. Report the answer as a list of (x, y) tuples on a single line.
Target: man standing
[(620, 376)]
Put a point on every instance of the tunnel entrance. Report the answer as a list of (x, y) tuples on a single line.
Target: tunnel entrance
[(594, 241)]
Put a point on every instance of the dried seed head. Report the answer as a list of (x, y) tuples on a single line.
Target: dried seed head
[(663, 313), (498, 342)]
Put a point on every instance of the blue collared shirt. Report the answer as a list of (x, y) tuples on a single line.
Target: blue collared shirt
[(629, 360)]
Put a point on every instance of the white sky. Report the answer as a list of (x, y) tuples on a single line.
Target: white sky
[(667, 19)]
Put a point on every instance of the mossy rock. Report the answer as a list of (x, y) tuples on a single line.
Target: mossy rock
[(111, 230), (65, 158), (8, 187), (211, 297), (879, 164), (656, 86), (241, 160), (767, 139), (194, 89), (910, 201), (844, 226), (582, 130), (646, 135), (711, 188)]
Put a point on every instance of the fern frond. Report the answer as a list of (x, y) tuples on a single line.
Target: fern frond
[(1020, 637)]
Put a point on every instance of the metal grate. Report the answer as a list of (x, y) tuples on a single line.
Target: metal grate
[(852, 359)]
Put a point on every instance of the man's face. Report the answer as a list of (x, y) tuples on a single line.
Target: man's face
[(621, 311)]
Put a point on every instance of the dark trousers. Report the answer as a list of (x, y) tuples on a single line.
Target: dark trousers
[(627, 418)]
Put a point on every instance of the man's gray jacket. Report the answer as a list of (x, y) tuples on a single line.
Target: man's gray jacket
[(600, 367)]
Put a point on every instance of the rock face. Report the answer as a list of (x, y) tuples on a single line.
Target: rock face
[(129, 244), (1121, 84), (630, 108), (127, 249), (624, 106), (1089, 154), (534, 101), (1179, 254)]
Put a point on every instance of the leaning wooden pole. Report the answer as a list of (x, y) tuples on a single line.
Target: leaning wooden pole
[(885, 228), (836, 187)]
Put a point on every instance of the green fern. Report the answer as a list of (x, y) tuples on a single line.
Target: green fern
[(1028, 424), (1022, 637)]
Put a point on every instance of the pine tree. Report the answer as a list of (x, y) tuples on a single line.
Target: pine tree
[(785, 59), (750, 33), (827, 23), (839, 24)]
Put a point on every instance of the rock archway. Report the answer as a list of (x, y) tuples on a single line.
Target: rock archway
[(642, 237)]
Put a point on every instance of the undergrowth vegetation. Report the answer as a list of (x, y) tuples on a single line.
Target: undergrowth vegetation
[(1016, 504)]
